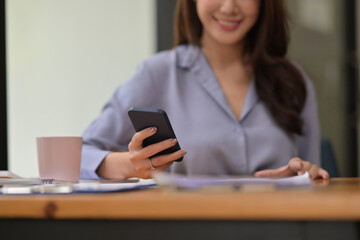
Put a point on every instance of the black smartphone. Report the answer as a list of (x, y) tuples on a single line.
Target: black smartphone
[(143, 118)]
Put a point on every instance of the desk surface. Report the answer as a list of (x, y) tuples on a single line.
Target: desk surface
[(337, 199)]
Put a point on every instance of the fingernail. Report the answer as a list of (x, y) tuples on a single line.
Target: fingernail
[(153, 129), (173, 141)]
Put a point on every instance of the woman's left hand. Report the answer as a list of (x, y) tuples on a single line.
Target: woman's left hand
[(296, 166)]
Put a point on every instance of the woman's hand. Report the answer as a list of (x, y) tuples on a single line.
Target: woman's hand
[(296, 166), (140, 156), (136, 162)]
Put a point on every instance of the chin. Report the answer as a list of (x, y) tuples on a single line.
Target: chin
[(229, 40)]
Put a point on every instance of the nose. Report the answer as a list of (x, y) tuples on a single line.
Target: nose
[(229, 7)]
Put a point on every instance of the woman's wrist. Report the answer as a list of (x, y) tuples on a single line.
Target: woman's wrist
[(116, 165)]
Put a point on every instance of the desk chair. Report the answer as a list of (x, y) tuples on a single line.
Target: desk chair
[(328, 158)]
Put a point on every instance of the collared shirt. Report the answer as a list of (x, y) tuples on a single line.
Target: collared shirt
[(181, 82)]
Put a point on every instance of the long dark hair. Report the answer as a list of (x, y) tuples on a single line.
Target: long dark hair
[(279, 83)]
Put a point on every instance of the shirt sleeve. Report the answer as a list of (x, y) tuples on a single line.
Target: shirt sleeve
[(309, 142), (112, 130)]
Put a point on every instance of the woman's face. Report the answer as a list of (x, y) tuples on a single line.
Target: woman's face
[(227, 21)]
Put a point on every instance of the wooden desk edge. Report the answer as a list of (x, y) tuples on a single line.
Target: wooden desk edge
[(155, 204)]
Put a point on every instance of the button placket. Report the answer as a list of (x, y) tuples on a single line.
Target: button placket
[(243, 165)]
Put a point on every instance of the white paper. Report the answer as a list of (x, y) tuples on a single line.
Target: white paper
[(112, 187), (203, 181), (82, 187)]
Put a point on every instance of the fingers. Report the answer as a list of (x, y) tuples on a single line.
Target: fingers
[(148, 173), (316, 172), (136, 145), (296, 166), (300, 167), (324, 174), (157, 147), (167, 158), (138, 138), (160, 163), (140, 156), (164, 167)]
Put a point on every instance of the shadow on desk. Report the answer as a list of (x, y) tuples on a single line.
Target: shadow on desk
[(176, 230)]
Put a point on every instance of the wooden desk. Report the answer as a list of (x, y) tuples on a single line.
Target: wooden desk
[(319, 211)]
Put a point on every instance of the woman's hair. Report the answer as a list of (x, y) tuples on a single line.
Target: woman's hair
[(279, 84)]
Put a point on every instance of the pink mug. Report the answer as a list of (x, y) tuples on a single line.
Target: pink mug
[(59, 158)]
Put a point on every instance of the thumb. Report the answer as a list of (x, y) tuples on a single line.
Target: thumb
[(266, 173), (273, 172)]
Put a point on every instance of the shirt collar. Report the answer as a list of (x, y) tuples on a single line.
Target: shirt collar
[(191, 57), (187, 55)]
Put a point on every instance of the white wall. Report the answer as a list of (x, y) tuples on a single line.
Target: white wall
[(65, 58)]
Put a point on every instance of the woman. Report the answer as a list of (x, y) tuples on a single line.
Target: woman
[(237, 105)]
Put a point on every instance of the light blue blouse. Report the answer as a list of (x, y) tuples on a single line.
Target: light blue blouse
[(182, 83)]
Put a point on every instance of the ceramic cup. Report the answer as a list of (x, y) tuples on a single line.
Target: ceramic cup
[(59, 158)]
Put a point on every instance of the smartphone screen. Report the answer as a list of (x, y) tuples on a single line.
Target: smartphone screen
[(143, 118)]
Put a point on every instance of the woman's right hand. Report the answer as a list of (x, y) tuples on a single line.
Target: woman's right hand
[(140, 156)]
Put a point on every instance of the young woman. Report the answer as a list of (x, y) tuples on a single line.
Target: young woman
[(236, 103)]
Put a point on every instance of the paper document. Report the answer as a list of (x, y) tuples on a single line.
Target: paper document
[(203, 181), (82, 187), (112, 187), (13, 184)]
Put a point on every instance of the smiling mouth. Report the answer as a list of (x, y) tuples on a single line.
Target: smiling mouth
[(228, 25)]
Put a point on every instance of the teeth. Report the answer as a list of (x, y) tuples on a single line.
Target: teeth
[(228, 24)]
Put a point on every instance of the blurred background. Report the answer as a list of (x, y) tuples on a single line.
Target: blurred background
[(65, 58)]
